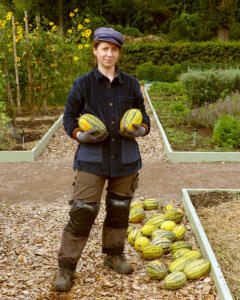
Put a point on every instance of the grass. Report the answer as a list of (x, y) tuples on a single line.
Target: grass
[(221, 224), (170, 104)]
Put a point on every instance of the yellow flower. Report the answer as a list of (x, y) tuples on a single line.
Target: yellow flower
[(54, 28), (10, 50), (80, 26), (18, 58), (52, 65), (9, 35), (86, 45), (69, 31), (51, 23), (16, 40), (3, 23), (86, 20), (83, 34), (30, 25), (88, 31), (9, 16), (19, 28), (16, 23), (19, 65), (20, 36), (71, 14), (76, 9), (80, 46), (75, 58)]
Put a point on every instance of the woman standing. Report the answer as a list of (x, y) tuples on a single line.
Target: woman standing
[(111, 156)]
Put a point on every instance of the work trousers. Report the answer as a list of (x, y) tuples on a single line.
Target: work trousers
[(88, 188)]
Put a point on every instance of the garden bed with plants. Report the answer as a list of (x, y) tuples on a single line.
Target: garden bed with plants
[(29, 130), (223, 208), (193, 127)]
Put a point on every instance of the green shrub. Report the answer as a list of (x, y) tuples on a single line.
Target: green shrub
[(179, 112), (227, 131), (209, 86), (146, 71), (159, 53), (167, 89), (234, 32), (189, 27)]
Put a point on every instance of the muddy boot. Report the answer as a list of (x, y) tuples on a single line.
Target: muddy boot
[(118, 264), (63, 282)]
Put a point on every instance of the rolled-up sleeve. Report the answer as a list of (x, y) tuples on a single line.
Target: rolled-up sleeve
[(73, 108)]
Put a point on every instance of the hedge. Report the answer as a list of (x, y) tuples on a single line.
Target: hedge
[(159, 53)]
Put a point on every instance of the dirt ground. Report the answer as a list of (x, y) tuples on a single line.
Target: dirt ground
[(48, 181)]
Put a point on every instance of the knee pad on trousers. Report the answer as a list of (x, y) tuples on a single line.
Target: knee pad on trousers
[(117, 211), (82, 216)]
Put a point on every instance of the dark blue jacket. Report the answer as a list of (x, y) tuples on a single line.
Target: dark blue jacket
[(92, 93)]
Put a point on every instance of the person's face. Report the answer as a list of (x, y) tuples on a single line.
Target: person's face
[(107, 54)]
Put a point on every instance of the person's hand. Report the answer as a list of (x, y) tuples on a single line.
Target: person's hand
[(132, 134), (91, 136)]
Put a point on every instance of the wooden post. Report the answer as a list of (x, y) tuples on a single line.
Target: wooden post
[(16, 68), (38, 24), (9, 91), (28, 65)]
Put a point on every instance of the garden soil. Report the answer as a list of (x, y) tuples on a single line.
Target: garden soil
[(34, 208)]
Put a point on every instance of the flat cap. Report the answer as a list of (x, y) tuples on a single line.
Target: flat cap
[(109, 35)]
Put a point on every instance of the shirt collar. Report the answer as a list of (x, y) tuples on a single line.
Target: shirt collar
[(100, 76)]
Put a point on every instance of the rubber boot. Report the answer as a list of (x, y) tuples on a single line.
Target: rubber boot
[(63, 282), (118, 264)]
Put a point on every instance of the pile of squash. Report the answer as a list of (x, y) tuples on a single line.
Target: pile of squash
[(160, 234)]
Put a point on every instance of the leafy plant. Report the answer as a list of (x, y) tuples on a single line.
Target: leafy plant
[(227, 131), (209, 86), (207, 115)]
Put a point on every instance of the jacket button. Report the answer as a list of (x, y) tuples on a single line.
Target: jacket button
[(112, 156), (113, 122), (110, 104), (113, 140)]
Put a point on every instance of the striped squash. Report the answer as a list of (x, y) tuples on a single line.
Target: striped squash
[(133, 235), (152, 251), (89, 121), (163, 242), (141, 242), (197, 268), (160, 233), (156, 270), (167, 207), (136, 215), (179, 232), (150, 203), (168, 225), (157, 220), (175, 214), (130, 228), (174, 280), (147, 229), (179, 253), (179, 245), (179, 264), (156, 215), (136, 203), (131, 116)]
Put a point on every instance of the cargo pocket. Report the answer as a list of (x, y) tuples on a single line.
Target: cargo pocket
[(135, 182), (90, 152), (129, 151)]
